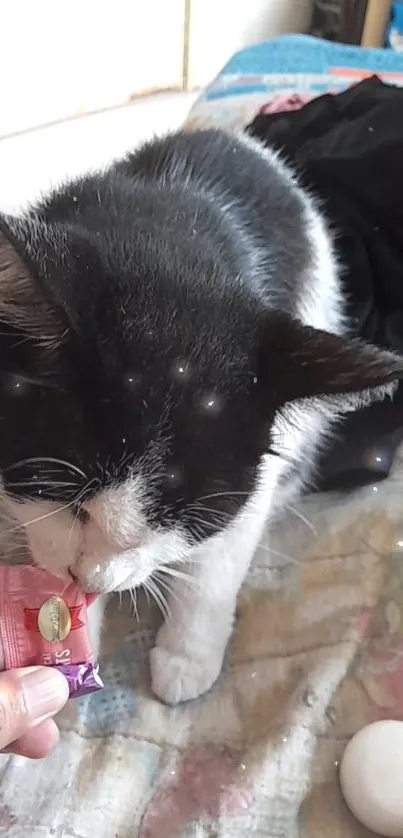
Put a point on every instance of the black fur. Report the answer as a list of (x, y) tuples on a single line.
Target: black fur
[(155, 325)]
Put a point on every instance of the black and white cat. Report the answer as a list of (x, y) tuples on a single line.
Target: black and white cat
[(171, 357)]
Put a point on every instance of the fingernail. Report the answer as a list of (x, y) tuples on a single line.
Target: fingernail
[(45, 692)]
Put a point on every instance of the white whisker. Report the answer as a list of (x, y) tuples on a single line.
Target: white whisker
[(221, 495), (20, 526), (272, 552), (133, 598), (168, 588), (78, 501), (159, 598), (54, 484), (48, 514), (147, 593), (219, 514), (177, 574), (302, 518), (53, 460), (201, 524)]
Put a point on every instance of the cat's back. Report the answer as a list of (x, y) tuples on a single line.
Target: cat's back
[(228, 180), (234, 172), (250, 198), (210, 198)]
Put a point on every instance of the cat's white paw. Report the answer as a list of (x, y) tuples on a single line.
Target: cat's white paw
[(176, 677)]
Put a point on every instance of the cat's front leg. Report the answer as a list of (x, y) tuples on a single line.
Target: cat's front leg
[(190, 647)]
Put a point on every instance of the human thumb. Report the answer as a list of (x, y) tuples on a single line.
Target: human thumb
[(27, 698)]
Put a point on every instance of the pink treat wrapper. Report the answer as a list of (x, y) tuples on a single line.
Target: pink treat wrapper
[(43, 622)]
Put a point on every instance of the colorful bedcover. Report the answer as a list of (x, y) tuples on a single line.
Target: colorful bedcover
[(287, 65), (317, 651)]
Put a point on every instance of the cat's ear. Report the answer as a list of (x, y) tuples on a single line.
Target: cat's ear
[(299, 362), (25, 305)]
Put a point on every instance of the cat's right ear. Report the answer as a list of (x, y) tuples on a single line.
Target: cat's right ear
[(298, 362), (25, 308)]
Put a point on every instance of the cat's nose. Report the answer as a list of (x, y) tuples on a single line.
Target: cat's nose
[(91, 577), (86, 586), (100, 576)]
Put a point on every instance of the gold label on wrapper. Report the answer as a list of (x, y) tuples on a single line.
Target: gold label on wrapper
[(54, 620)]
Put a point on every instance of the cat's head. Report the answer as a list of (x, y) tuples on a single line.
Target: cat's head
[(137, 396)]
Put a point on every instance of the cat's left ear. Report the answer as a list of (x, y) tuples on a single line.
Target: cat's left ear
[(298, 362), (26, 304)]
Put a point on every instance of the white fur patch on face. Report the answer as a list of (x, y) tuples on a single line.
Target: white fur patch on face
[(52, 535), (119, 514), (114, 549), (102, 566)]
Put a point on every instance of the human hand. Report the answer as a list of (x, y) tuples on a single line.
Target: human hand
[(28, 700)]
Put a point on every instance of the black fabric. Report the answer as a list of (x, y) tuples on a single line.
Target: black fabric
[(348, 150)]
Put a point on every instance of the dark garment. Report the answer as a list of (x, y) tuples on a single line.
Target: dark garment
[(349, 151)]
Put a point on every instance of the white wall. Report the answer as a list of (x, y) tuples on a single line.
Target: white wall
[(60, 59), (63, 59), (218, 28), (35, 161)]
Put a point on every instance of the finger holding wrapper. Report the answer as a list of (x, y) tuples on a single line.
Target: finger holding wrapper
[(43, 622)]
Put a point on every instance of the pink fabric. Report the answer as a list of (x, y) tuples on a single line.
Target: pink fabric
[(285, 103), (210, 782)]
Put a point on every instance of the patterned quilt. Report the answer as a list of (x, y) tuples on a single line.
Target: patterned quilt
[(316, 654)]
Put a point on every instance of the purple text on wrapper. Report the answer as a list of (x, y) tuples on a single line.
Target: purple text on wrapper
[(82, 678)]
